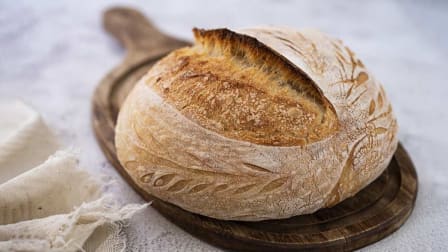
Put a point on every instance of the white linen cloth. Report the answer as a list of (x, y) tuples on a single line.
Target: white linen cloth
[(25, 141), (55, 206)]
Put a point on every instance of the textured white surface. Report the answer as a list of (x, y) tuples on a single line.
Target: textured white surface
[(52, 55)]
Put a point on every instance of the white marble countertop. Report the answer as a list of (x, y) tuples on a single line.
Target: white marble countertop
[(53, 54)]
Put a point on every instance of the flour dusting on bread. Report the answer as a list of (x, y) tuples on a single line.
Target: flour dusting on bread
[(262, 123)]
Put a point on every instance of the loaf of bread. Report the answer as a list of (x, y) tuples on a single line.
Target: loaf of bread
[(255, 124)]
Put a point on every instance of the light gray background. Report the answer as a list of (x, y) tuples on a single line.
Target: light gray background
[(53, 54)]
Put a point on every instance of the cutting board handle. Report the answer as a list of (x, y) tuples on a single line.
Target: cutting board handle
[(135, 32)]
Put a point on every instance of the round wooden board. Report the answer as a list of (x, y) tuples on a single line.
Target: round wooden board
[(373, 213)]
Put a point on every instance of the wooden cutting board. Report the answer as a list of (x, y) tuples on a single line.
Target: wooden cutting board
[(372, 214)]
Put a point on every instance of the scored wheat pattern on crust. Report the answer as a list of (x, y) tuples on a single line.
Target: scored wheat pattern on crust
[(174, 182), (351, 73), (376, 108), (307, 49)]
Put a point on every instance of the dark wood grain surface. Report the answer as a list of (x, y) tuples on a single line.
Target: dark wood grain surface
[(372, 214)]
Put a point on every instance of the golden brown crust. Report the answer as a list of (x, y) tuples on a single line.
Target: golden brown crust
[(187, 132), (235, 86)]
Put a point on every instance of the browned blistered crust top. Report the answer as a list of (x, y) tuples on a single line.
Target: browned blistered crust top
[(236, 86)]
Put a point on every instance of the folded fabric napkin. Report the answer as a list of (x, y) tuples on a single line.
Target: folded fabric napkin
[(51, 205)]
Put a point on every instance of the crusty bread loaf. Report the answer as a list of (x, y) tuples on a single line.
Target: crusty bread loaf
[(262, 123)]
